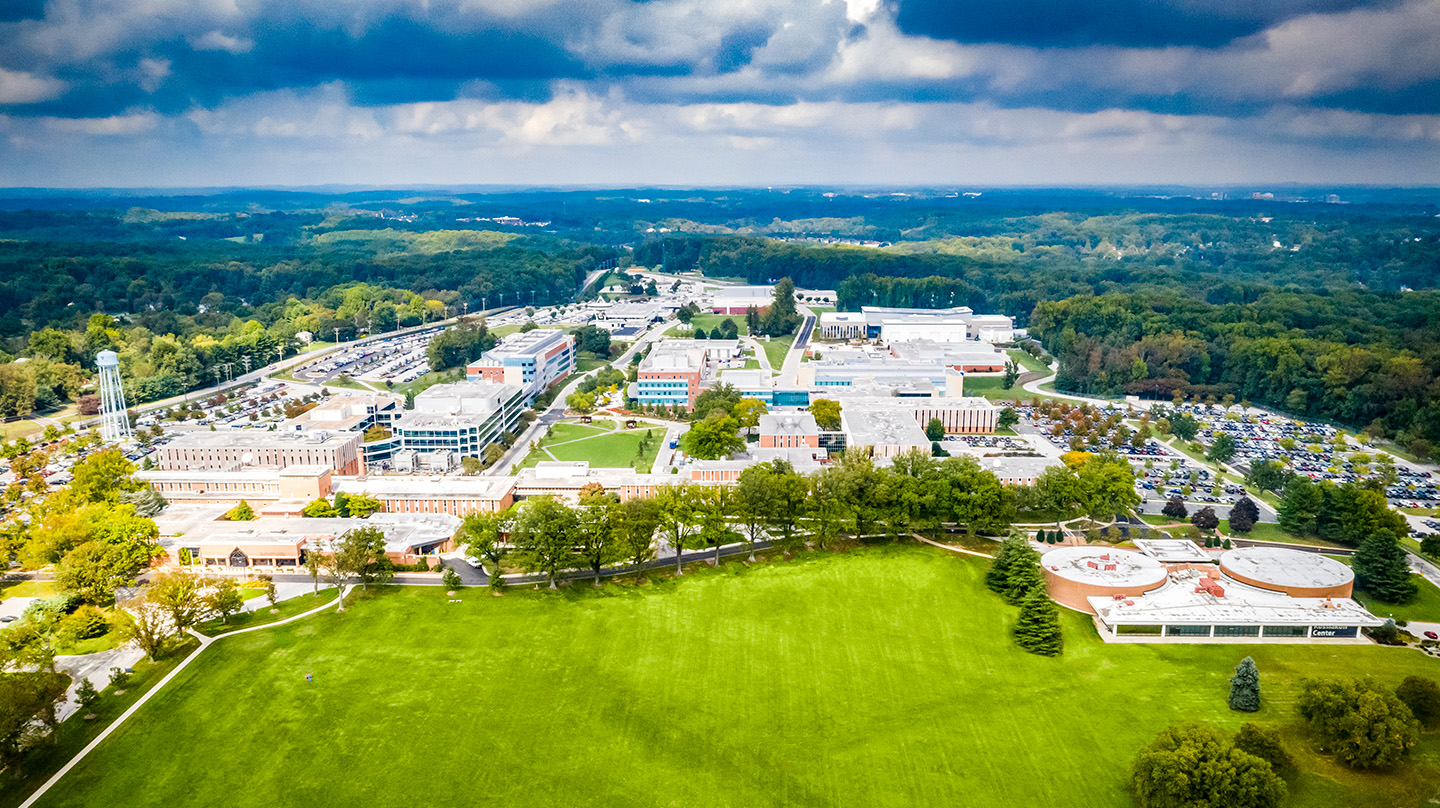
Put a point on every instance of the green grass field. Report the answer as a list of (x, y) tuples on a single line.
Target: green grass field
[(266, 613), (27, 589), (598, 443), (1028, 362), (991, 387), (710, 322), (1425, 607), (879, 677), (776, 349)]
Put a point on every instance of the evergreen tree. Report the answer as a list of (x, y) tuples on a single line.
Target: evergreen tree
[(1038, 629), (1245, 687), (1299, 506), (1382, 569), (1025, 575), (997, 578), (781, 318)]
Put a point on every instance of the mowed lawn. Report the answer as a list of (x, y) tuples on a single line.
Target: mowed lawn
[(599, 443), (879, 677), (615, 450)]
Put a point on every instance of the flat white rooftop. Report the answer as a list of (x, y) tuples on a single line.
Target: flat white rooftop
[(1280, 567), (1179, 602), (1103, 566), (1173, 551)]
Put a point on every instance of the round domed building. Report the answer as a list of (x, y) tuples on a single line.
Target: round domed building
[(1294, 572), (1075, 574)]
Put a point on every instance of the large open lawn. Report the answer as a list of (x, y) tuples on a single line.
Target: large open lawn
[(598, 443), (880, 677)]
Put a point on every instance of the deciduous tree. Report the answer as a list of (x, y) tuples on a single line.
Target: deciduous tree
[(1361, 723), (1194, 766)]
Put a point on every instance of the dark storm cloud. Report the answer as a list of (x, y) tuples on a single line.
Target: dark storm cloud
[(1129, 23)]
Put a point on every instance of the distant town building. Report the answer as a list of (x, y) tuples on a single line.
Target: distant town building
[(892, 324), (736, 299)]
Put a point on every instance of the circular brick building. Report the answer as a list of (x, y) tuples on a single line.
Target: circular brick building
[(1293, 572), (1076, 573)]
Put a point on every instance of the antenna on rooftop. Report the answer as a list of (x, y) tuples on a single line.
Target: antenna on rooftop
[(114, 420)]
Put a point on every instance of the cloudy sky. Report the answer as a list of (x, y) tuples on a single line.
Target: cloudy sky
[(718, 92)]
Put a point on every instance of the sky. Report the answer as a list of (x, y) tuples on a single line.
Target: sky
[(195, 93)]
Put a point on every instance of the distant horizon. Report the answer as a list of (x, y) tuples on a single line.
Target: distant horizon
[(1256, 187), (719, 93)]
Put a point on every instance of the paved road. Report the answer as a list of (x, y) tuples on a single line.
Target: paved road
[(790, 369), (556, 410), (95, 667), (470, 576)]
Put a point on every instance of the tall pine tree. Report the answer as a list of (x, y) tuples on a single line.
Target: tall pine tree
[(1038, 629), (997, 578), (1245, 687), (1382, 569)]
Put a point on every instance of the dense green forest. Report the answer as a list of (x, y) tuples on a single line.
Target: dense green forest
[(180, 297), (1318, 308)]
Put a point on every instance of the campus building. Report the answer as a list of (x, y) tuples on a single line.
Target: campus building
[(973, 357), (276, 545), (852, 369), (892, 324), (261, 488), (532, 361), (235, 449), (883, 432), (348, 413), (970, 415), (1253, 594), (675, 370), (790, 430), (451, 421), (736, 299), (455, 495)]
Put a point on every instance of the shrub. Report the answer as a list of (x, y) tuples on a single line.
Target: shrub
[(450, 578), (1194, 766), (86, 694), (1364, 725), (1422, 696), (1264, 743), (119, 677)]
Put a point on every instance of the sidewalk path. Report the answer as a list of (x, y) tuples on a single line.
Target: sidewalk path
[(96, 668), (205, 642)]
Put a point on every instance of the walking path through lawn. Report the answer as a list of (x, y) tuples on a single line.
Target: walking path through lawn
[(205, 642)]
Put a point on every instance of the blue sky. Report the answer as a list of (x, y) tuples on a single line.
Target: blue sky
[(720, 92)]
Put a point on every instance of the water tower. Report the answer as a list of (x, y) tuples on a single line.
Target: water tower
[(114, 422)]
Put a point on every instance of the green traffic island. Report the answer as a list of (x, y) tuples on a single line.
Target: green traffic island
[(265, 614), (22, 777)]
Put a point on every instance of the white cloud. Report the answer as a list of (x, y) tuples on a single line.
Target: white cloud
[(27, 88), (217, 40), (113, 125)]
